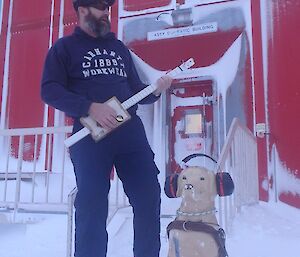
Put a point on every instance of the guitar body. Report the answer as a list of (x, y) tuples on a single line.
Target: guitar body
[(98, 132)]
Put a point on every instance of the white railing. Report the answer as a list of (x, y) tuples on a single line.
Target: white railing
[(43, 183), (239, 158), (36, 175), (35, 171)]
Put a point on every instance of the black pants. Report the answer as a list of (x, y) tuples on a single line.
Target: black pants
[(126, 148)]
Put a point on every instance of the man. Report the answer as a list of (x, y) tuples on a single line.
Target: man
[(81, 72)]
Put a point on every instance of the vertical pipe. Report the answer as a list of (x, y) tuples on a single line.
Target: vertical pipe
[(19, 170), (48, 166), (204, 125), (71, 199), (1, 15), (34, 166), (275, 174), (63, 175), (117, 191), (6, 169)]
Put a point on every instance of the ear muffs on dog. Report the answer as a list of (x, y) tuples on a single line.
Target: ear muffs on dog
[(171, 185), (224, 182)]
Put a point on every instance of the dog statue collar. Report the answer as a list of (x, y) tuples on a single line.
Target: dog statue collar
[(196, 213)]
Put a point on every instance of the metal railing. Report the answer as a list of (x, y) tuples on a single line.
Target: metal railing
[(32, 165), (36, 175), (239, 158)]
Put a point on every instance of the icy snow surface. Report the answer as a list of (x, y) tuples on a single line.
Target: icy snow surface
[(264, 230)]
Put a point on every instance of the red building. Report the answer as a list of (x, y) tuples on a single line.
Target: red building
[(246, 67)]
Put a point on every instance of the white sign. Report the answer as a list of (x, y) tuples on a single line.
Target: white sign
[(183, 31)]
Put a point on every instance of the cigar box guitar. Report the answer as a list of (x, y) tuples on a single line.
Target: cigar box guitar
[(97, 132)]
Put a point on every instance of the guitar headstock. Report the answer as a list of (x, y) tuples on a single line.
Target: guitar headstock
[(183, 67), (187, 64)]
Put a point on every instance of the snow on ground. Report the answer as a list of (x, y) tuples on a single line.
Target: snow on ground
[(264, 230)]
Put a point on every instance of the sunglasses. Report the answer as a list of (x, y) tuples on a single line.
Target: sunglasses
[(101, 6)]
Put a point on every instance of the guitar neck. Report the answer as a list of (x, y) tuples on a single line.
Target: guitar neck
[(148, 90)]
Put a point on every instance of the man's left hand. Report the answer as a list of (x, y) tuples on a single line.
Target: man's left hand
[(162, 84)]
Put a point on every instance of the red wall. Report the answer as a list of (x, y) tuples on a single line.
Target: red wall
[(29, 43), (284, 88), (137, 5), (3, 43)]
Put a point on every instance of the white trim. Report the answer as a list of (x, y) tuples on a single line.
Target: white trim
[(59, 117), (266, 10), (61, 18), (35, 131), (1, 14), (6, 69), (46, 108), (51, 24)]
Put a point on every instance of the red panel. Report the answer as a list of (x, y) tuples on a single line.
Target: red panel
[(29, 11), (182, 48), (114, 17), (55, 35), (70, 18), (259, 97), (138, 5), (29, 44), (283, 91), (3, 44)]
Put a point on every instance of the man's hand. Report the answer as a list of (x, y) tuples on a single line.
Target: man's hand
[(104, 115), (162, 84)]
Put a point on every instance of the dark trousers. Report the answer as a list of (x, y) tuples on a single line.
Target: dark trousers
[(126, 148)]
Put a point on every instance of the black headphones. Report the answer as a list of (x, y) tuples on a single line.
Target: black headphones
[(224, 182)]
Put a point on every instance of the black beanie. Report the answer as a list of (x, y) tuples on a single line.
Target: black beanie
[(77, 3)]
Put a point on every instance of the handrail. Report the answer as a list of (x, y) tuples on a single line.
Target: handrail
[(35, 131), (13, 194), (239, 158), (235, 125)]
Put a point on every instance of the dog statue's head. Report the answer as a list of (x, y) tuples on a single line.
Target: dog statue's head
[(198, 181), (195, 183)]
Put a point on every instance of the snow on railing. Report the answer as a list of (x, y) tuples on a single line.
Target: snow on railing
[(36, 173), (239, 158)]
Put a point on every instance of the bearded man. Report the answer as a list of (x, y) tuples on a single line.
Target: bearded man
[(82, 71)]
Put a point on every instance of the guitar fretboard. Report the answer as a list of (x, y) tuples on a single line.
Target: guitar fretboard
[(151, 88)]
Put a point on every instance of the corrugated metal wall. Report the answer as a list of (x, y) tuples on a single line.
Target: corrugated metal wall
[(284, 91)]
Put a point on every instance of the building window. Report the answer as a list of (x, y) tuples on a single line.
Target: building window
[(193, 123)]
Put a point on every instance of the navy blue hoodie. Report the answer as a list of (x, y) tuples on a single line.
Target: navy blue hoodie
[(81, 69)]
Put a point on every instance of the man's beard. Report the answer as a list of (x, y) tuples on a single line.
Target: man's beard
[(100, 27)]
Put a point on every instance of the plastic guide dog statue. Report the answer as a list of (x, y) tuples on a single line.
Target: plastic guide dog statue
[(195, 231)]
